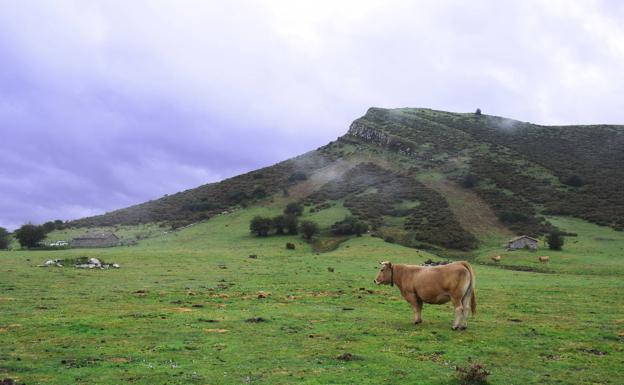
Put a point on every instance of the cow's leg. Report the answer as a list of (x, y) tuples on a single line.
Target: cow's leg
[(459, 311), (416, 305), (466, 306)]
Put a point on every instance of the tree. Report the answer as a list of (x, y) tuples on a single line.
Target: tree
[(478, 111), (555, 240), (348, 226), (260, 226), (294, 209), (279, 223), (49, 227), (30, 235), (291, 223), (309, 229), (360, 228), (5, 239)]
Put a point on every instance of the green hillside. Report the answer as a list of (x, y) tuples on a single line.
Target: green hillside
[(409, 173), (184, 308), (200, 300)]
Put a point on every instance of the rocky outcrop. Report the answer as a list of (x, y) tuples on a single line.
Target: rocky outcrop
[(359, 129)]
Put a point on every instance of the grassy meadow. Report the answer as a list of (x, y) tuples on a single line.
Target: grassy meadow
[(184, 309)]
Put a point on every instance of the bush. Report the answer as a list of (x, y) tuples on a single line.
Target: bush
[(348, 226), (259, 193), (309, 229), (555, 240), (475, 374), (294, 208), (297, 176), (389, 239), (236, 197), (478, 111), (30, 235), (470, 181), (260, 226), (574, 181), (279, 223), (48, 227), (5, 239), (291, 224)]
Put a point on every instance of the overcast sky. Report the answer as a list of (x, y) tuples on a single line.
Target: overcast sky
[(104, 104)]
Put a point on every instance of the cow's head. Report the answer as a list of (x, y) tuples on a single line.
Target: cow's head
[(385, 275)]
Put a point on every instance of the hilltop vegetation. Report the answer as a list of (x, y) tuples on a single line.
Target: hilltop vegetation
[(522, 171)]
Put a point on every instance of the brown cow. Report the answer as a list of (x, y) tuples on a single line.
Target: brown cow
[(496, 258), (544, 258), (435, 285)]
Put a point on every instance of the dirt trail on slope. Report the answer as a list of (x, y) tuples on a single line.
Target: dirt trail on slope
[(471, 211)]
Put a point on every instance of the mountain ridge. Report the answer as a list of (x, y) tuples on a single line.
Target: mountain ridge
[(522, 171)]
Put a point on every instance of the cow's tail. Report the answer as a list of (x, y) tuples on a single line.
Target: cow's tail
[(472, 288)]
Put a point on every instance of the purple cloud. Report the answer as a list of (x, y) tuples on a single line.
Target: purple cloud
[(108, 104)]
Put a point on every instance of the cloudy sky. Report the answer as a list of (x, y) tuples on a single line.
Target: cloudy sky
[(104, 104)]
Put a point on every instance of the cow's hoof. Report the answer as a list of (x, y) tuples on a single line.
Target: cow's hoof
[(463, 327), (417, 322), (454, 327)]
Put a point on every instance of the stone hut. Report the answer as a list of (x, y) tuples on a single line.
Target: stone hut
[(522, 242), (95, 240)]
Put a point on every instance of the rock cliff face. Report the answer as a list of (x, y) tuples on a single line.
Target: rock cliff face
[(362, 131)]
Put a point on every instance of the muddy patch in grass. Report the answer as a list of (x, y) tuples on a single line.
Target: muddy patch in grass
[(530, 269), (594, 351), (255, 320), (348, 357)]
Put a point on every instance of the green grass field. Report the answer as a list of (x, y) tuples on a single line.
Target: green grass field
[(176, 313)]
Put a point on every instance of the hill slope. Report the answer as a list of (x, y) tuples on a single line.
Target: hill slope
[(410, 173)]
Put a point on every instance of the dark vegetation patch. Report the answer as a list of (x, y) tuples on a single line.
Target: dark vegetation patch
[(10, 381), (523, 268), (594, 351), (372, 192), (348, 357), (255, 320), (474, 374)]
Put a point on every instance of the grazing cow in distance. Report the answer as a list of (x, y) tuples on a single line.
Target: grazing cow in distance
[(496, 258), (544, 258), (435, 285)]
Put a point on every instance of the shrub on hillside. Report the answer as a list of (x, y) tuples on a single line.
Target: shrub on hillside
[(349, 226), (279, 223), (4, 238), (49, 227), (259, 193), (309, 229), (555, 240), (294, 208), (236, 197), (297, 176), (469, 181), (30, 235), (291, 224), (574, 181), (260, 226)]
